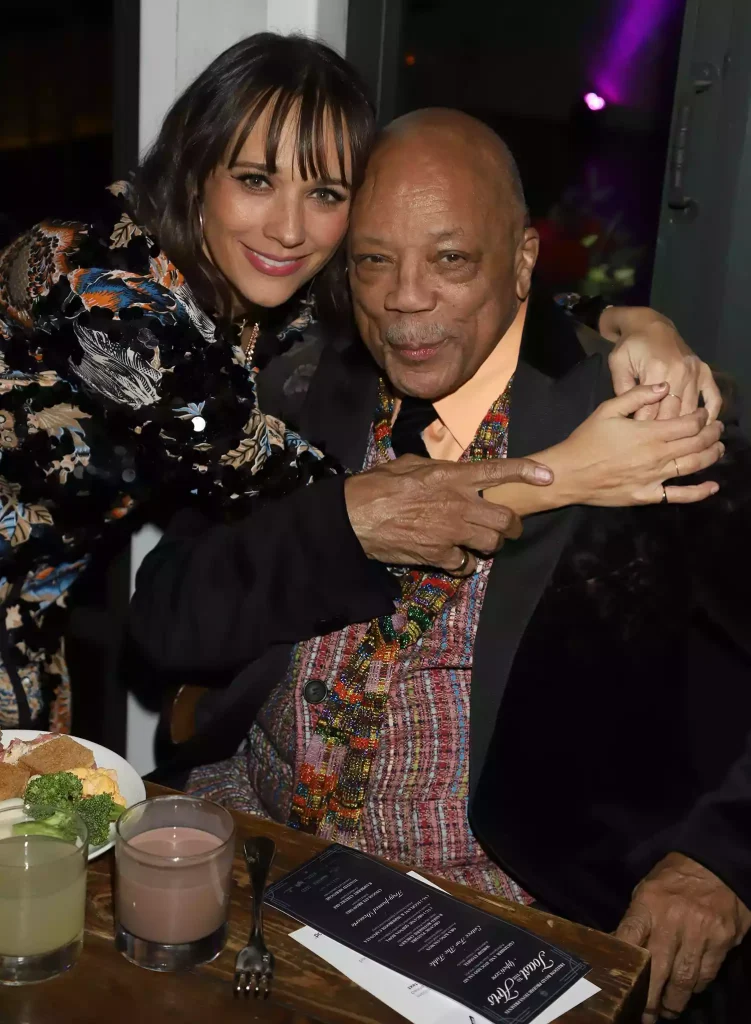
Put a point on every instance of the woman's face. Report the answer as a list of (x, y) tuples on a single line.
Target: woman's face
[(270, 233)]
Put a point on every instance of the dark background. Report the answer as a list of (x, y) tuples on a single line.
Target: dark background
[(56, 111)]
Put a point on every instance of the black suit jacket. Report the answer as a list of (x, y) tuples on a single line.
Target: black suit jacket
[(611, 687)]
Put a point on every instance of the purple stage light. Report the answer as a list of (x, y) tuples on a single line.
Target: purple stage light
[(633, 22), (593, 101)]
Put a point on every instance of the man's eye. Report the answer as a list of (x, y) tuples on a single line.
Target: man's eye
[(372, 259), (453, 258)]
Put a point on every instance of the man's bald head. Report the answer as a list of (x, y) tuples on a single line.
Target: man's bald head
[(451, 137), (441, 254)]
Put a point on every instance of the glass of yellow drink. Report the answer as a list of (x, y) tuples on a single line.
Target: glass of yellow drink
[(42, 898)]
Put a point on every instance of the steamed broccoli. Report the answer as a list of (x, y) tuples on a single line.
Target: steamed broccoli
[(63, 792), (97, 812), (60, 790), (59, 825)]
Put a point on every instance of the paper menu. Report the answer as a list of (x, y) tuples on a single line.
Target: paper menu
[(493, 967), (416, 1002)]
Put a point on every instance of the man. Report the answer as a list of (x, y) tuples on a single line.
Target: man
[(495, 699)]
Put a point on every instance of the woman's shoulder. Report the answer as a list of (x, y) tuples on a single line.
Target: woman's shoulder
[(111, 264), (33, 263)]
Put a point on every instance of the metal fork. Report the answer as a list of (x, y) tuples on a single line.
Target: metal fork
[(254, 966)]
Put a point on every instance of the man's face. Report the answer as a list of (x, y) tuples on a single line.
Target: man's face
[(437, 264)]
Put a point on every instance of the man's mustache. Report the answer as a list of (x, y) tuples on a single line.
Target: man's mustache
[(406, 335)]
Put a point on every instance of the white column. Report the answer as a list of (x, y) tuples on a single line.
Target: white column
[(320, 19), (178, 39)]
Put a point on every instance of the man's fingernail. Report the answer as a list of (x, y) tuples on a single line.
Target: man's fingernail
[(543, 475), (714, 488), (659, 387)]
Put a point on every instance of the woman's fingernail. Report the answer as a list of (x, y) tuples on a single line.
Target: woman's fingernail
[(659, 387), (543, 475), (714, 488)]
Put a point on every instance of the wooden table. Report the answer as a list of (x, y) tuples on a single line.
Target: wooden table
[(104, 988)]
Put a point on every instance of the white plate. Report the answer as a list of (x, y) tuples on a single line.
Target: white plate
[(129, 781)]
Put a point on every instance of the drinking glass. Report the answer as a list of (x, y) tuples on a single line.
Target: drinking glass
[(42, 899), (174, 870)]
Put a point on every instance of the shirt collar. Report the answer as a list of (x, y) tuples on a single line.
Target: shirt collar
[(463, 411)]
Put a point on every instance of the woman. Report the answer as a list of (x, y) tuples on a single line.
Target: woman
[(128, 347)]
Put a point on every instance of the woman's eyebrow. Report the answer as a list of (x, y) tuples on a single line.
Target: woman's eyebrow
[(250, 163), (324, 179)]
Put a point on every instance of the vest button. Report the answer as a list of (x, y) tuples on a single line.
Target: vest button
[(315, 691)]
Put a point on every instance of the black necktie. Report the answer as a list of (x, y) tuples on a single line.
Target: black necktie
[(414, 415)]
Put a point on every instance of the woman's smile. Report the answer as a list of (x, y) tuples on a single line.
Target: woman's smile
[(273, 266)]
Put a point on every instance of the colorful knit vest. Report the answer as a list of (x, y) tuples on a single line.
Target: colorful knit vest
[(332, 784)]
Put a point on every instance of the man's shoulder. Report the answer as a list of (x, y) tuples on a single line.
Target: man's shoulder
[(283, 383), (334, 352)]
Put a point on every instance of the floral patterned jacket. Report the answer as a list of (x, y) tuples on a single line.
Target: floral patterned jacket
[(116, 390)]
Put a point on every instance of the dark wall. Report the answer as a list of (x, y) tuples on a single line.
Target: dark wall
[(524, 69), (56, 88)]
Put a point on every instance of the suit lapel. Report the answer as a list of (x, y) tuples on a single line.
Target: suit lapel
[(341, 401), (544, 410)]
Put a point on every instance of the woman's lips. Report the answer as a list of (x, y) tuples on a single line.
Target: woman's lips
[(269, 265)]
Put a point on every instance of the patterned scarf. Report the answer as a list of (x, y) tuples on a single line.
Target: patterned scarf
[(331, 789)]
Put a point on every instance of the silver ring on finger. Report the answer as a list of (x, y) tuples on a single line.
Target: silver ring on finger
[(462, 565), (664, 498)]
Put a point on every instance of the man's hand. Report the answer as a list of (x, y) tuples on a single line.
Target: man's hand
[(415, 511), (689, 920), (648, 349)]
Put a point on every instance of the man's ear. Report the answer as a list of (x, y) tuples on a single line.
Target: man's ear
[(527, 252)]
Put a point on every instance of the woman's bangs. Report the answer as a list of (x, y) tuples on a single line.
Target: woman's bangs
[(315, 119)]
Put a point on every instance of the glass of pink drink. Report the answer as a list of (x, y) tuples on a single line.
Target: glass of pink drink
[(174, 870)]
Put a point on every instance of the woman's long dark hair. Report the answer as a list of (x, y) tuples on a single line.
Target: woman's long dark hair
[(221, 106)]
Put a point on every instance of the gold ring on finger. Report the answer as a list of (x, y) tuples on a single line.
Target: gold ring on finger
[(672, 394), (664, 499), (462, 565), (677, 470)]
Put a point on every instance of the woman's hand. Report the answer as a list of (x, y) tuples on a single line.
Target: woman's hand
[(647, 350), (613, 459)]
